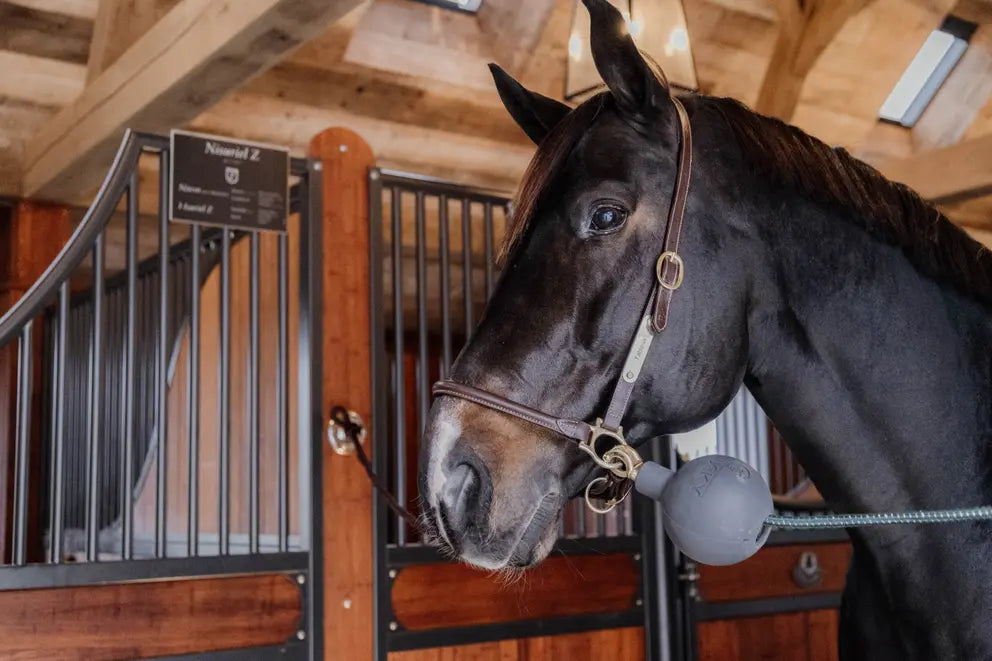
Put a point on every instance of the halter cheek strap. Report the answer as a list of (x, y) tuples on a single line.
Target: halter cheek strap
[(669, 271)]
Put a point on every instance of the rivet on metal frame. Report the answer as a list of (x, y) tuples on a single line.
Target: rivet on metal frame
[(338, 436)]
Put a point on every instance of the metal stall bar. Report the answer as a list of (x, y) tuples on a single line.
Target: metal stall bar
[(162, 369), (282, 390), (128, 367), (487, 229), (56, 500), (224, 449), (22, 426), (94, 406), (254, 466), (311, 415), (467, 264), (193, 398), (380, 376), (400, 394), (423, 359), (443, 247)]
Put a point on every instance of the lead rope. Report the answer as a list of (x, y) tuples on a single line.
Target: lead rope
[(825, 521), (353, 430)]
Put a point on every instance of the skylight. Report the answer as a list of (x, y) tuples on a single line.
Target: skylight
[(927, 72), (470, 6)]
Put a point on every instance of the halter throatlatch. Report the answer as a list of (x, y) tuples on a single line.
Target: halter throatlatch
[(604, 441)]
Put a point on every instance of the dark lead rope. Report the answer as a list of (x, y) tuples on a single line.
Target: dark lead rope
[(353, 430)]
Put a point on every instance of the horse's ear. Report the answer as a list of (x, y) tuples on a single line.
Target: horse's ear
[(635, 86), (534, 113)]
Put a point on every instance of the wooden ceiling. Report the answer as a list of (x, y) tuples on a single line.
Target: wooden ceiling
[(411, 79)]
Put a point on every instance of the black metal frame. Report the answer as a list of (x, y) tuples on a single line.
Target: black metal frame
[(88, 238), (391, 558)]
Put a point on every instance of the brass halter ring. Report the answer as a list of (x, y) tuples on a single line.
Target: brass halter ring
[(610, 504), (673, 257)]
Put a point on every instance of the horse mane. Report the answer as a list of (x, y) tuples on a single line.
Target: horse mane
[(784, 154), (889, 211)]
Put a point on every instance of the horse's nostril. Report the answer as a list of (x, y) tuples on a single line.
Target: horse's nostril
[(460, 495)]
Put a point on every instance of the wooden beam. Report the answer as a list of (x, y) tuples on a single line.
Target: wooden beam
[(949, 174), (459, 157), (34, 32), (40, 80), (431, 43), (388, 97), (806, 28), (183, 65), (75, 8), (118, 24), (763, 9), (975, 213), (513, 28)]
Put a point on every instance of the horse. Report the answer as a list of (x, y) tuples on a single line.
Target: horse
[(856, 314)]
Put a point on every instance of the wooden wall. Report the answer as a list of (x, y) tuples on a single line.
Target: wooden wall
[(620, 644), (31, 235), (802, 636), (141, 620)]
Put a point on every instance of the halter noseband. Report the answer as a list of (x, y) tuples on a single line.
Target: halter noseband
[(621, 460)]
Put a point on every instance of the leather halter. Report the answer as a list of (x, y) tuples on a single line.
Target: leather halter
[(669, 271)]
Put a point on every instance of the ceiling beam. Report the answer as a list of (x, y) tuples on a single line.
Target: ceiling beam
[(950, 174), (394, 98), (806, 28), (514, 28), (440, 153), (40, 80), (118, 24), (76, 8), (184, 64)]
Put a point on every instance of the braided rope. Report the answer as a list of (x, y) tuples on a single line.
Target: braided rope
[(882, 519)]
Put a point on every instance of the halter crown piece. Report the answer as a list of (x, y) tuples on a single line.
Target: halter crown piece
[(716, 509)]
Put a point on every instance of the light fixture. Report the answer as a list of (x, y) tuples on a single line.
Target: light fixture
[(927, 72), (658, 27)]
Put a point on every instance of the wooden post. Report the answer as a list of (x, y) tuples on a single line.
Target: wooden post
[(347, 348), (31, 235)]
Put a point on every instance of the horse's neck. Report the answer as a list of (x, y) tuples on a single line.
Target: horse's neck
[(878, 376)]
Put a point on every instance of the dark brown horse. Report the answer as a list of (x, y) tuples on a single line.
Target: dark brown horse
[(856, 314)]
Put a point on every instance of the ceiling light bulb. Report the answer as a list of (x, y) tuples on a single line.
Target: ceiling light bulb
[(575, 46)]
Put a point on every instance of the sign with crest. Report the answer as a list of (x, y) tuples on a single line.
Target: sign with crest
[(228, 183)]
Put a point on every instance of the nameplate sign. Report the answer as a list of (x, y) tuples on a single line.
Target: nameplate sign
[(228, 183)]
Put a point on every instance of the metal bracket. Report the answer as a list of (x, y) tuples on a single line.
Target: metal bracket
[(339, 437)]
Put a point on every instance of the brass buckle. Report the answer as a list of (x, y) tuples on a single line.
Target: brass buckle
[(589, 445), (673, 257), (621, 460)]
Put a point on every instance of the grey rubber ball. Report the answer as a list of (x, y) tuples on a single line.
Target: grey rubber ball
[(714, 509)]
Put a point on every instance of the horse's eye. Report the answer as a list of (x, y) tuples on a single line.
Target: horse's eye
[(607, 219)]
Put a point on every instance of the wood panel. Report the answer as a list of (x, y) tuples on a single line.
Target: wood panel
[(803, 636), (622, 644), (559, 586), (148, 620), (769, 573), (31, 235), (347, 510)]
